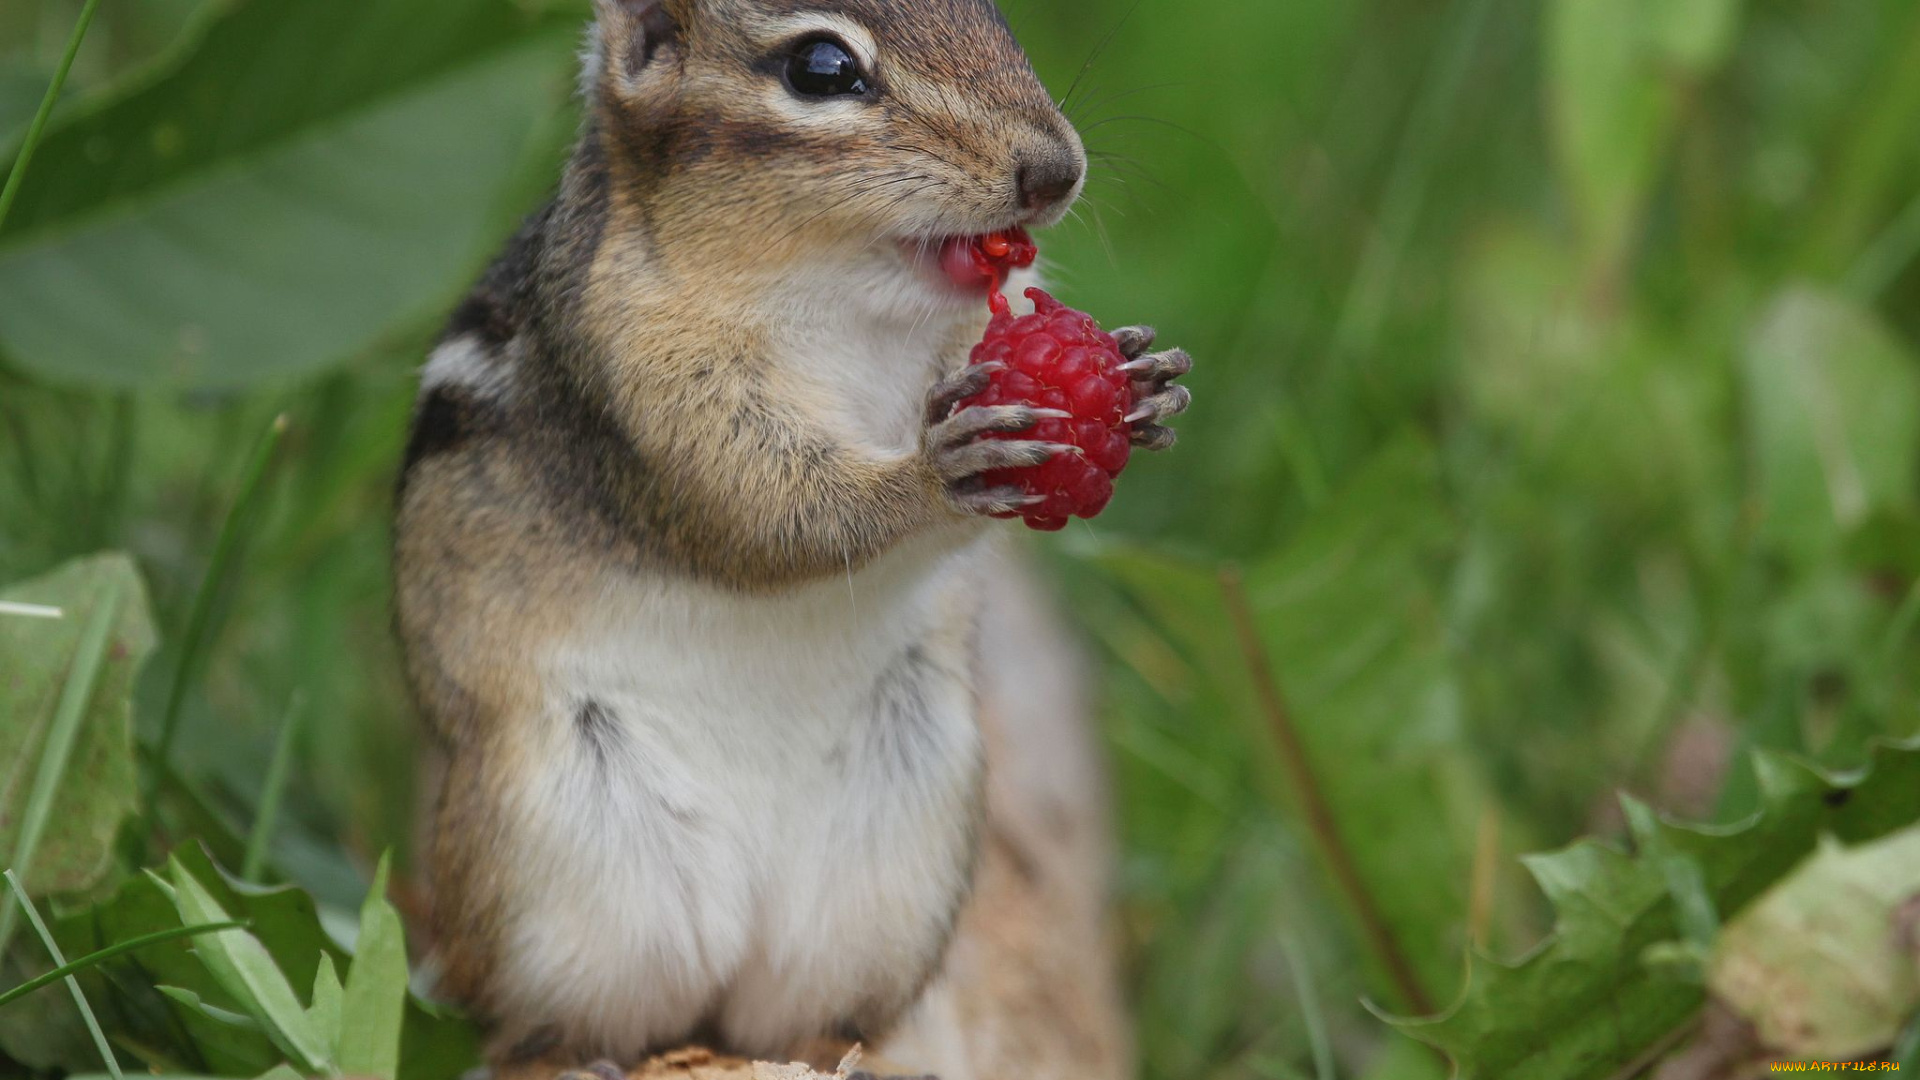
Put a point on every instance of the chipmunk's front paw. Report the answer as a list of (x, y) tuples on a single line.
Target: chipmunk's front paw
[(1155, 397), (959, 453)]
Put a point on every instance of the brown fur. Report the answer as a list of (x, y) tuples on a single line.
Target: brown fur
[(631, 322)]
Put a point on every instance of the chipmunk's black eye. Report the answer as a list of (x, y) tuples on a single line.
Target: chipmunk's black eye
[(822, 67)]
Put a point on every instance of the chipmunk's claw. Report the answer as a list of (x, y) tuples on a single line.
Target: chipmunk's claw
[(997, 500), (957, 387), (1154, 437), (1169, 401), (1159, 367), (1151, 376), (1133, 340), (969, 460), (976, 420)]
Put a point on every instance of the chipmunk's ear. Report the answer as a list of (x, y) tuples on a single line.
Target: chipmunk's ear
[(632, 35)]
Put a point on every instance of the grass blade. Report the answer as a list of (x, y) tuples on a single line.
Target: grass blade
[(1362, 313), (1311, 1017), (73, 984), (1317, 811), (30, 611), (1887, 258), (94, 959), (39, 124), (1871, 159), (193, 644), (272, 792), (61, 734)]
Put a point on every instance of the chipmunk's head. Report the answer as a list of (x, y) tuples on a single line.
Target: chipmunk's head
[(780, 131)]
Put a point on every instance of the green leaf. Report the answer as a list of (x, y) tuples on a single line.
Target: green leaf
[(309, 176), (246, 970), (1808, 964), (45, 1033), (1695, 35), (1834, 432), (1614, 100), (281, 918), (437, 1045), (1582, 1004), (1612, 110), (374, 1007), (96, 789), (232, 1043), (324, 1011)]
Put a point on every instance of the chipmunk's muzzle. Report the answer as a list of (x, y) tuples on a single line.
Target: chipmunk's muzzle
[(1047, 176), (1047, 179)]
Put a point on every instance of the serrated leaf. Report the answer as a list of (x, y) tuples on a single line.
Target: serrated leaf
[(437, 1044), (1809, 965), (282, 917), (97, 789), (308, 176), (246, 970), (1583, 1004), (374, 1006)]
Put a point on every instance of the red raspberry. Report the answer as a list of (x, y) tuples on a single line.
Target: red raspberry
[(1058, 358), (987, 260)]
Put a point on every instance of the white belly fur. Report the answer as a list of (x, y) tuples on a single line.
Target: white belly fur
[(760, 843)]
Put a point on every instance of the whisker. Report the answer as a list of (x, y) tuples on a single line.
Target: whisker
[(1095, 55), (1109, 99), (1134, 117), (1118, 169)]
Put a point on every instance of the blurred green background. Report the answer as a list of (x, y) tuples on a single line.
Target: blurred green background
[(1556, 399)]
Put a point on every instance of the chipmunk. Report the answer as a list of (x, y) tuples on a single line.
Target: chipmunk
[(690, 532)]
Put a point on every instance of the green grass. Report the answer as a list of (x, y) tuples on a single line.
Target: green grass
[(73, 986), (24, 157), (1557, 390), (200, 616)]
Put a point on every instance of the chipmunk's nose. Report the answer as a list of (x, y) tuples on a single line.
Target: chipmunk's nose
[(1047, 176)]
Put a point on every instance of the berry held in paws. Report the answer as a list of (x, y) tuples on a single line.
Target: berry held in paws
[(1059, 362)]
